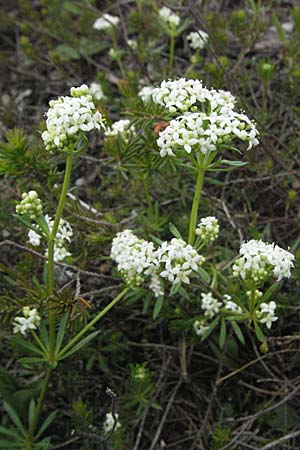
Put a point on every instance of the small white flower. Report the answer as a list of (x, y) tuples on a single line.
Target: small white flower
[(63, 235), (132, 43), (146, 93), (230, 305), (96, 91), (210, 305), (30, 205), (200, 327), (169, 17), (123, 127), (267, 313), (105, 22), (198, 39), (208, 229), (30, 321), (108, 423)]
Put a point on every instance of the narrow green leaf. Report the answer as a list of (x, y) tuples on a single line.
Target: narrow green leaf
[(258, 332), (31, 410), (61, 333), (230, 162), (158, 305), (238, 332), (15, 418), (78, 346), (20, 342), (175, 231), (222, 336), (46, 423), (9, 432), (204, 275), (44, 334), (212, 326), (175, 288), (8, 444)]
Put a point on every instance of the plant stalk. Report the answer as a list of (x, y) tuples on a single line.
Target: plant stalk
[(92, 322), (33, 424), (51, 245), (195, 206), (171, 55)]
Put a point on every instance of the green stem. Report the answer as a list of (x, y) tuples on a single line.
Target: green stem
[(195, 207), (148, 197), (171, 56), (51, 245), (33, 423), (92, 322)]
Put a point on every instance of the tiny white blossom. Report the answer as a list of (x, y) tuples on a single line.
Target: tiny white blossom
[(146, 93), (30, 205), (197, 39), (109, 421), (132, 43), (122, 126), (105, 22), (208, 229), (63, 235), (267, 313), (210, 305), (96, 91), (169, 17), (200, 327), (29, 321), (230, 305)]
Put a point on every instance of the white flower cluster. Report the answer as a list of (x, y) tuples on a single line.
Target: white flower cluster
[(229, 305), (167, 16), (30, 205), (123, 127), (208, 229), (200, 327), (109, 422), (132, 43), (204, 133), (146, 93), (197, 39), (259, 261), (96, 91), (267, 313), (63, 235), (178, 260), (136, 259), (183, 94), (30, 321), (68, 117), (211, 306), (105, 22)]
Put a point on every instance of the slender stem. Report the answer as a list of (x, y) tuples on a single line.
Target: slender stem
[(51, 245), (171, 56), (33, 423), (195, 207), (92, 322)]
